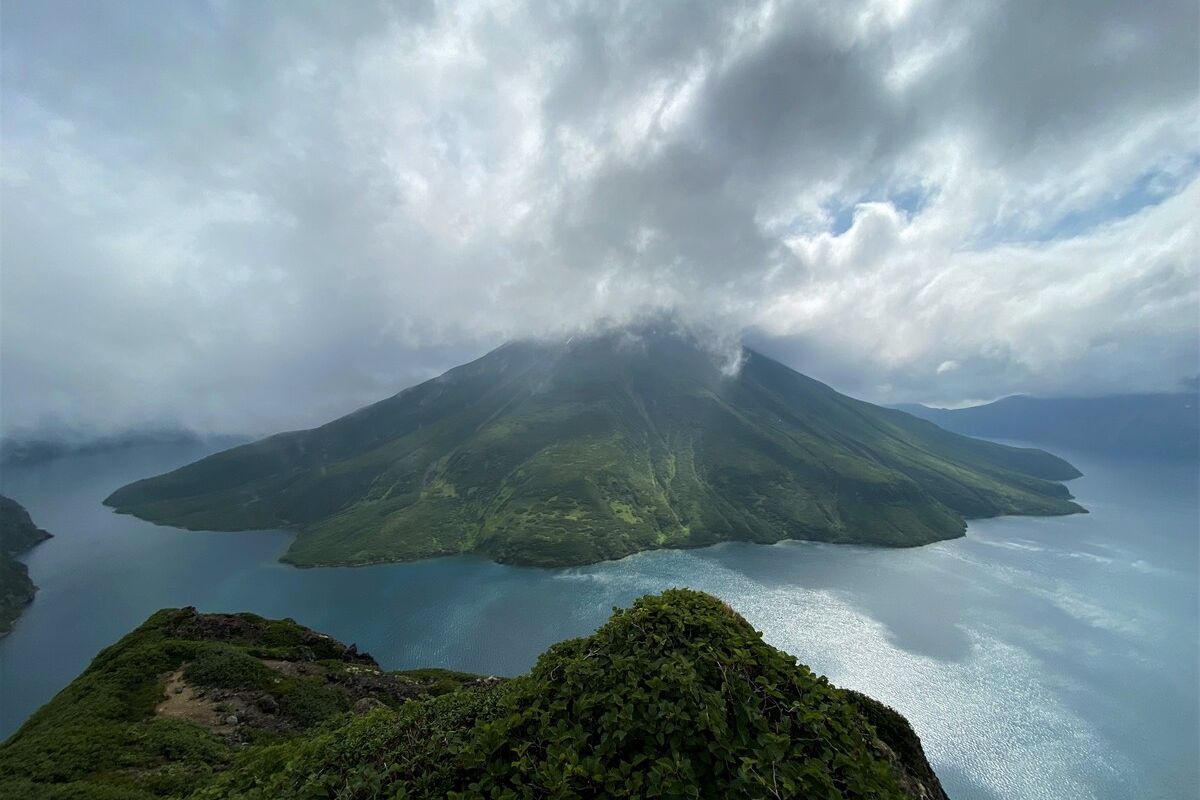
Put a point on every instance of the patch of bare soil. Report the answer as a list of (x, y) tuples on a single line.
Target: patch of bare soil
[(227, 713), (186, 702)]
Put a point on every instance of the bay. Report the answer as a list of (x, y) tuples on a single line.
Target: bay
[(1037, 658)]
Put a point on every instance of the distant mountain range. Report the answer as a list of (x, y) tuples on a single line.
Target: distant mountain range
[(28, 450), (1160, 425), (598, 447)]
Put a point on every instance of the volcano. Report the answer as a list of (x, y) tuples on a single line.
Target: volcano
[(577, 451)]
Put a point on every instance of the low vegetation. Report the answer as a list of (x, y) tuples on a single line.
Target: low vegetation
[(676, 696)]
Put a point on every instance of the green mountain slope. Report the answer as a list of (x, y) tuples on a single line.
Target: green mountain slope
[(675, 697), (599, 447), (17, 534)]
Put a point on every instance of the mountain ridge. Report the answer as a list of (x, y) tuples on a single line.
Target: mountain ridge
[(1155, 424), (675, 696), (573, 452)]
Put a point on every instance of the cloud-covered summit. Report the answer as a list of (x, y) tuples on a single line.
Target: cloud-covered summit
[(247, 217)]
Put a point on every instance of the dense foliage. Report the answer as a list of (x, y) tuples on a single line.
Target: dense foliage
[(566, 454), (674, 697), (17, 534)]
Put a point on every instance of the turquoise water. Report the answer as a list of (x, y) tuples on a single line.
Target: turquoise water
[(1037, 658)]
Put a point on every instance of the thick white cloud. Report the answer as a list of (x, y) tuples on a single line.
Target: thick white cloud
[(247, 217)]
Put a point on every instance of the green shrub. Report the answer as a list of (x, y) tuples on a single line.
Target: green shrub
[(309, 701), (675, 697), (227, 668)]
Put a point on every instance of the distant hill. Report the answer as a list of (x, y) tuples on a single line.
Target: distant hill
[(1162, 425), (598, 447), (29, 450), (675, 697), (17, 534)]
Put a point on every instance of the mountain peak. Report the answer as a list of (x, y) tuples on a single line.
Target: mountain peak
[(657, 337)]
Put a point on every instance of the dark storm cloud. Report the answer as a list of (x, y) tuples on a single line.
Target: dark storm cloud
[(246, 217)]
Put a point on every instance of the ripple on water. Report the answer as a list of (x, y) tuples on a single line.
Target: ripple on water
[(1037, 658)]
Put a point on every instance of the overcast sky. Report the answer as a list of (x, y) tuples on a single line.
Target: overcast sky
[(256, 216)]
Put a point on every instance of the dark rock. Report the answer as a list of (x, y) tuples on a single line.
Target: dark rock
[(366, 705), (901, 747)]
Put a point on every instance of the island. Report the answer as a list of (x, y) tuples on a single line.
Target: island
[(676, 696), (554, 453), (17, 535)]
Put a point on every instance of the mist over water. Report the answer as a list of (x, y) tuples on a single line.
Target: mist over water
[(1037, 658)]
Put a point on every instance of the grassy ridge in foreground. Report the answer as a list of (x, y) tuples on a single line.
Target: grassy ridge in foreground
[(675, 697), (559, 454)]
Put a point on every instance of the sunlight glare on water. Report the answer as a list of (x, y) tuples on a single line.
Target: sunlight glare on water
[(1038, 659)]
